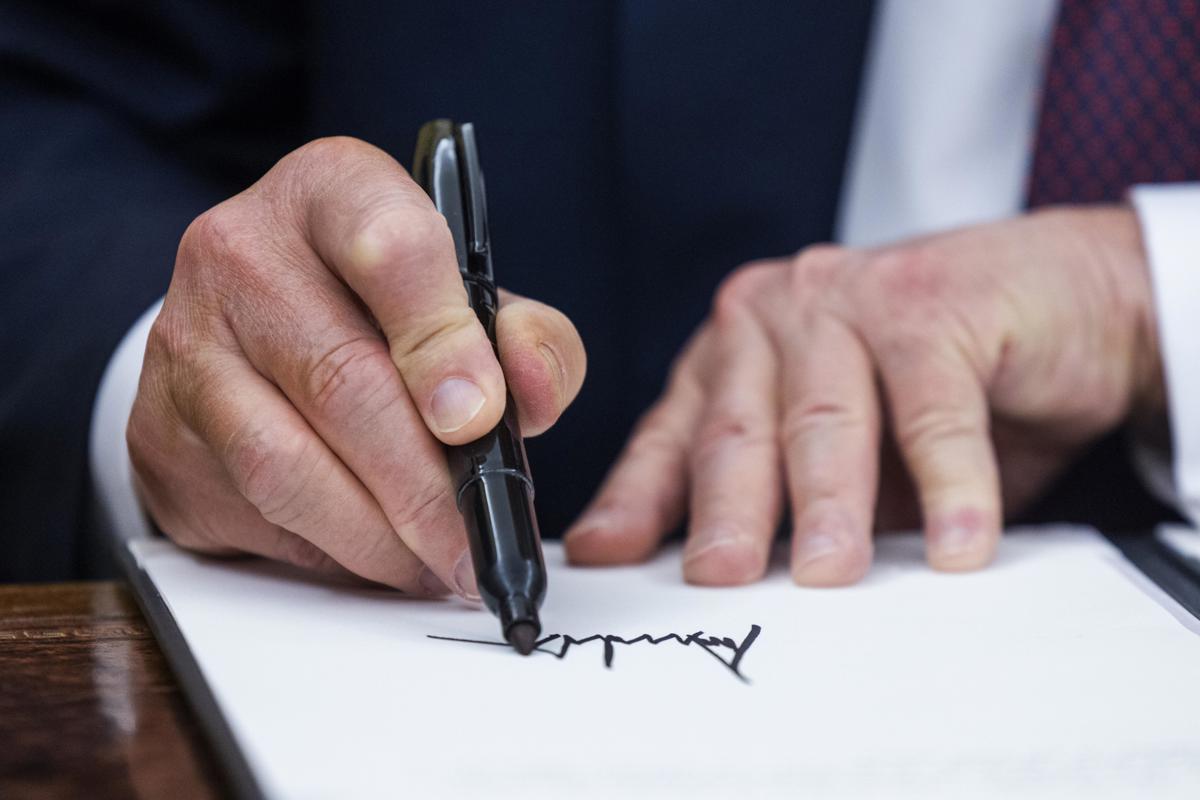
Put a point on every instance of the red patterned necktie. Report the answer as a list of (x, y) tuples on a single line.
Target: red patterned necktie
[(1121, 100), (1120, 106)]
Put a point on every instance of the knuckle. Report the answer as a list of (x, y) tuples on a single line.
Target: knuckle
[(818, 258), (167, 344), (162, 342), (221, 251), (213, 235), (905, 343), (199, 235), (814, 268), (313, 170), (803, 420), (351, 377), (141, 434), (819, 255), (428, 345), (930, 428), (173, 380), (329, 151), (270, 466), (393, 238), (908, 277), (727, 431), (739, 290)]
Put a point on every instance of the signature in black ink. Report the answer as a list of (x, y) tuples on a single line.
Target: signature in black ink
[(722, 648)]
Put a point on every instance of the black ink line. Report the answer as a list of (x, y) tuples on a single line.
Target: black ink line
[(709, 644)]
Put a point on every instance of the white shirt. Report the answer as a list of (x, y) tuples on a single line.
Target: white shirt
[(944, 137)]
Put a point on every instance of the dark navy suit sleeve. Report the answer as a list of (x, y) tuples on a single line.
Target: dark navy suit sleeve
[(119, 123)]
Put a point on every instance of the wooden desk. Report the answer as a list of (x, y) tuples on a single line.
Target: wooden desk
[(88, 706)]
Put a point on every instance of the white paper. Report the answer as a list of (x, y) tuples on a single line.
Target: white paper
[(1058, 672)]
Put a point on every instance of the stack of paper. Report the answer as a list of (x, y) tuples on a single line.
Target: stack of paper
[(1059, 672)]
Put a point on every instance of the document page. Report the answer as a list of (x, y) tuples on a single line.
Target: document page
[(1060, 671)]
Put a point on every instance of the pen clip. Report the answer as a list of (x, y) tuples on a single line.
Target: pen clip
[(446, 166), (474, 195)]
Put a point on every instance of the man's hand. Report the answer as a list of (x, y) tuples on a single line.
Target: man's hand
[(876, 388), (313, 347)]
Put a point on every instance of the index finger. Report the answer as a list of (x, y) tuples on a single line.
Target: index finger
[(376, 229)]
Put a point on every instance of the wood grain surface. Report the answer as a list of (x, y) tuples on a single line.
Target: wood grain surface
[(88, 706)]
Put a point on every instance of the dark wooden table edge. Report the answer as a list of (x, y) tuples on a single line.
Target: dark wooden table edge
[(238, 778)]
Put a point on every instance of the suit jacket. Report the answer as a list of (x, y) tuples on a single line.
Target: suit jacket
[(635, 151)]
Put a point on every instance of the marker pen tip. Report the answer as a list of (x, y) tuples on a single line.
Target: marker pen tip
[(522, 636)]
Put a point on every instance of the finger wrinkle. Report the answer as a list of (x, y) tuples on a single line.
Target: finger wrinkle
[(557, 368)]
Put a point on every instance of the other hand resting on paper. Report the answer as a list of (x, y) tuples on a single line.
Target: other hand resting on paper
[(314, 345), (972, 364)]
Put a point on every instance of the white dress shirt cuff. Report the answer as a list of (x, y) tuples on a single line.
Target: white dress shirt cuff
[(1170, 221), (118, 510)]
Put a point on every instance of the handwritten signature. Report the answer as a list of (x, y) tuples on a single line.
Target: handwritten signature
[(724, 649)]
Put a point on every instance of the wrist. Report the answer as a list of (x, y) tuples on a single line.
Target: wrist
[(1111, 236), (1148, 403)]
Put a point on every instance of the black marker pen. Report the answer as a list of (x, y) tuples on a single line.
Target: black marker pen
[(491, 474)]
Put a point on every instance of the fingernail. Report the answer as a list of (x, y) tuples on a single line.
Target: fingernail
[(729, 541), (724, 559), (826, 550), (958, 542), (464, 578), (954, 541), (589, 523), (696, 549), (814, 547), (432, 584), (455, 402)]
